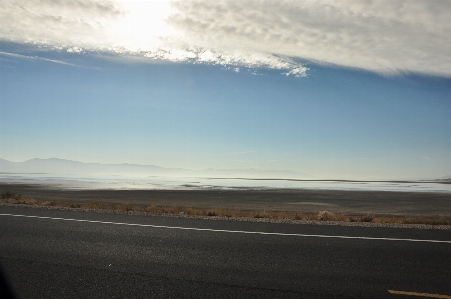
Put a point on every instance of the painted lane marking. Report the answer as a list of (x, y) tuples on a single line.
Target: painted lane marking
[(419, 294), (224, 230)]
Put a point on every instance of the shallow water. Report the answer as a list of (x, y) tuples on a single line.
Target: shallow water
[(186, 183)]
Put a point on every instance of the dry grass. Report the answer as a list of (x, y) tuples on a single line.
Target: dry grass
[(11, 198), (326, 216)]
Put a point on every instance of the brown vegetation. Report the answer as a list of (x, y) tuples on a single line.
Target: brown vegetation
[(10, 197)]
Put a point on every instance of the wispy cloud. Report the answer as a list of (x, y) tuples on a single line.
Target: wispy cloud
[(387, 37), (35, 57)]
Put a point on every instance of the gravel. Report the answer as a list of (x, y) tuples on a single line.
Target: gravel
[(309, 222)]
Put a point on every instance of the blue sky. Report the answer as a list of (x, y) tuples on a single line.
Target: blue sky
[(183, 97)]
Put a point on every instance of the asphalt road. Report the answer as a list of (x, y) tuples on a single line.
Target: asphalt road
[(53, 255)]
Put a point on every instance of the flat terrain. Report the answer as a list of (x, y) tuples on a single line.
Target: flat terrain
[(55, 255), (349, 202)]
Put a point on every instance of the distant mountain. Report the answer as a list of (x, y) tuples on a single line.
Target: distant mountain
[(67, 167), (253, 173), (61, 166), (447, 177)]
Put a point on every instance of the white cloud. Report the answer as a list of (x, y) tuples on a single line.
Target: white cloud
[(380, 36), (387, 37), (75, 50)]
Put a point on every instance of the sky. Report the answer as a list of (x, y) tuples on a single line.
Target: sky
[(333, 89)]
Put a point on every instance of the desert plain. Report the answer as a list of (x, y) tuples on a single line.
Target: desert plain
[(381, 203)]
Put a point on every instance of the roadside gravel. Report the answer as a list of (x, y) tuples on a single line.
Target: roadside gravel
[(309, 222)]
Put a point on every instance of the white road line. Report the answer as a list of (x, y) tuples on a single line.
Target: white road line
[(225, 231)]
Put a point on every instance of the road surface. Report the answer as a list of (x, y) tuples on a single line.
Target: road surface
[(47, 253)]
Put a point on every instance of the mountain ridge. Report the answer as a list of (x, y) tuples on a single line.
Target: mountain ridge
[(64, 166)]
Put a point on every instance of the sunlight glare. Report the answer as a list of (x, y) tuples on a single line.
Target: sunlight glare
[(143, 27)]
